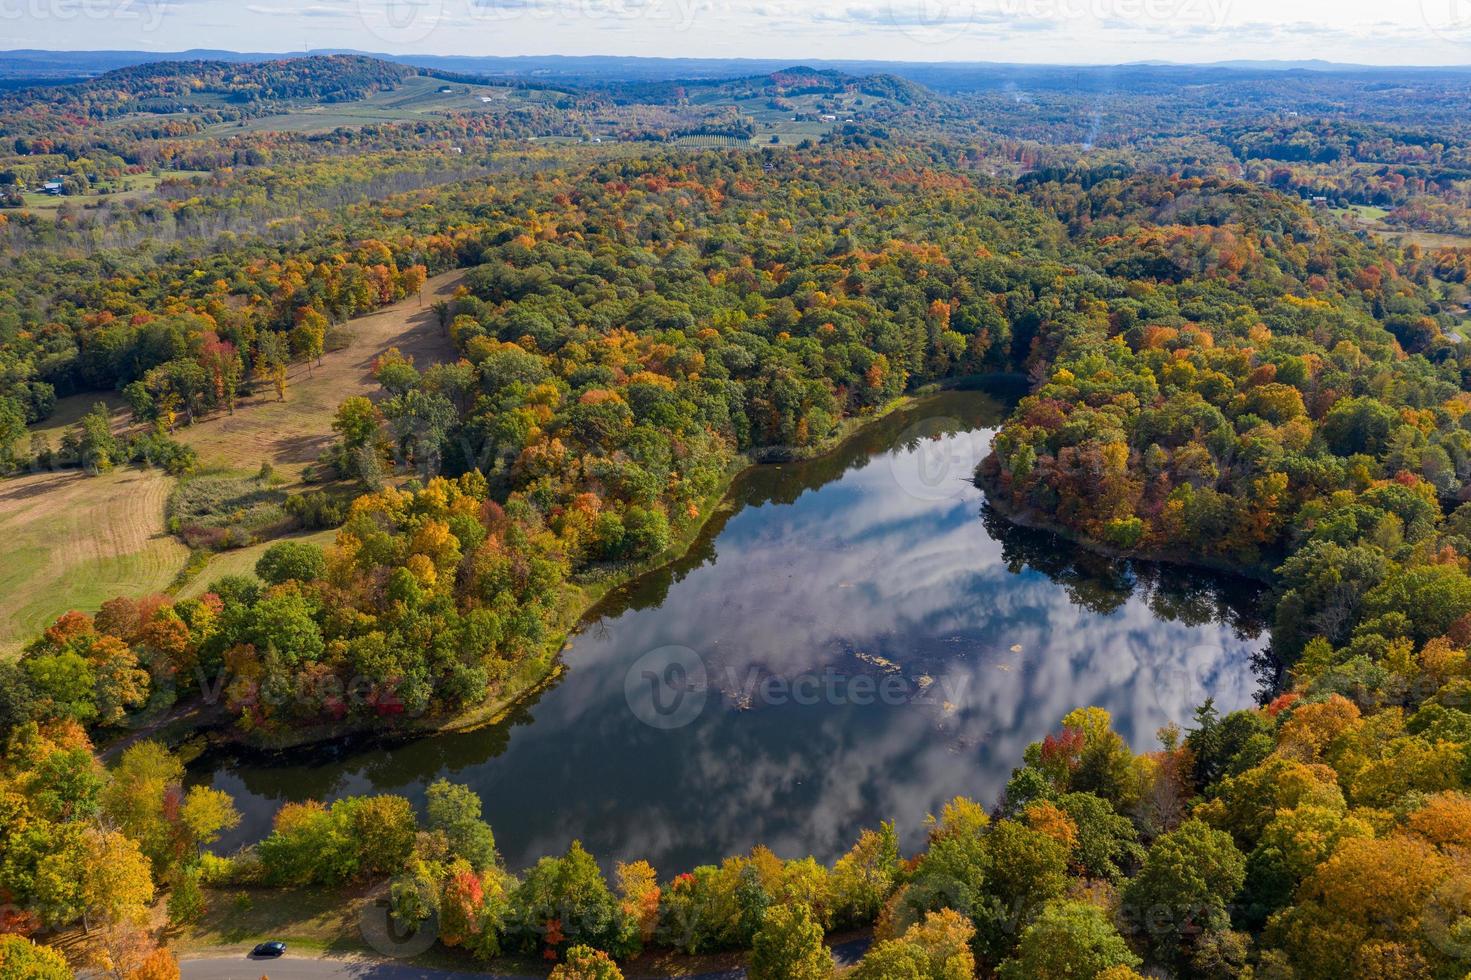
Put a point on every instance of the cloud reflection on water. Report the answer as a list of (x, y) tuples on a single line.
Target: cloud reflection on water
[(848, 574)]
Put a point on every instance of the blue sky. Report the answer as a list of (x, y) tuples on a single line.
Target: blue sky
[(1073, 31)]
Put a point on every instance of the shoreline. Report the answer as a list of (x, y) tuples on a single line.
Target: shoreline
[(1023, 517), (580, 601)]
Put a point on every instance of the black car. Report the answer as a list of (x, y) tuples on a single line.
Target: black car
[(271, 949)]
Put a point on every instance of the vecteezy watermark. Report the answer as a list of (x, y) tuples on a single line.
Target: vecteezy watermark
[(401, 22), (1448, 19), (1206, 13), (148, 13), (932, 21), (938, 457), (669, 688), (941, 21), (1180, 680), (384, 933)]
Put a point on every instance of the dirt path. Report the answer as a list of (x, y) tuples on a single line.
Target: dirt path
[(72, 541), (294, 433)]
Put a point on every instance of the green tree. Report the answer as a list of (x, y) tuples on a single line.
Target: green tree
[(1069, 939), (287, 560), (356, 422), (186, 899), (864, 878), (383, 829), (21, 959), (96, 448), (1188, 878), (140, 797), (64, 685), (566, 901), (586, 963), (12, 428), (1107, 844), (454, 810), (789, 946), (206, 813)]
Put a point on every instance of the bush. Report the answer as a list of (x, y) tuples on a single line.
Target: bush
[(290, 560), (215, 870), (318, 509), (225, 512), (586, 963), (186, 899), (21, 958)]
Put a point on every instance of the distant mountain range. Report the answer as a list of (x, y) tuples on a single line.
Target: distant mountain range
[(38, 65)]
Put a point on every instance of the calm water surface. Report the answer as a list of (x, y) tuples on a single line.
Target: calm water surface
[(858, 639)]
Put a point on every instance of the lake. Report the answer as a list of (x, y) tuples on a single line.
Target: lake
[(856, 638)]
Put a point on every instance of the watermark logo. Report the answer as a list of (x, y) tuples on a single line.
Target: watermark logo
[(1197, 13), (667, 688), (1447, 918), (400, 22), (148, 14), (670, 687), (932, 21), (1449, 20), (941, 459), (384, 933)]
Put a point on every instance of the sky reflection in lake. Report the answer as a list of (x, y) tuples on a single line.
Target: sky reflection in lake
[(870, 564)]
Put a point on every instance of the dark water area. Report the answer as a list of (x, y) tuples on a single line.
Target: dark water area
[(858, 638)]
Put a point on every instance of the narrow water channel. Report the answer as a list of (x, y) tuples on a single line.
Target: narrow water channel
[(858, 639)]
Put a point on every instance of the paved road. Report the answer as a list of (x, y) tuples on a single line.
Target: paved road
[(291, 967)]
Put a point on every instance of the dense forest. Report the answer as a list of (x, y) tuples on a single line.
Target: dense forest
[(1222, 373)]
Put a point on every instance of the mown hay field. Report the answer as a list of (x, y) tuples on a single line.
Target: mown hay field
[(74, 541)]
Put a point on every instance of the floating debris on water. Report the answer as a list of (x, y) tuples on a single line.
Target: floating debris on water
[(882, 663)]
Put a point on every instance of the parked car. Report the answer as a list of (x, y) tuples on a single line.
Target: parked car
[(271, 949)]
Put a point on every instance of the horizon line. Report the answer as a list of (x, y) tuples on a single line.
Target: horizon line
[(1280, 64)]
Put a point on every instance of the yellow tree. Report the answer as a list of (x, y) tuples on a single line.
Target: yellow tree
[(116, 879)]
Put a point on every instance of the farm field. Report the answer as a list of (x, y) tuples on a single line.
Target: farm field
[(1429, 239), (293, 434), (415, 99), (1370, 219), (74, 541), (139, 186), (69, 412), (241, 561)]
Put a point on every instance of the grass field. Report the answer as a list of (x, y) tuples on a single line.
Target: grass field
[(1367, 212), (293, 434), (73, 541), (69, 412), (1371, 219), (133, 187), (241, 561), (1429, 239), (415, 99)]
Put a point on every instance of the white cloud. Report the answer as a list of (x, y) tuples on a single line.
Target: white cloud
[(1070, 31)]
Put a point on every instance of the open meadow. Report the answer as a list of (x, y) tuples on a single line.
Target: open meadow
[(74, 541), (292, 434)]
